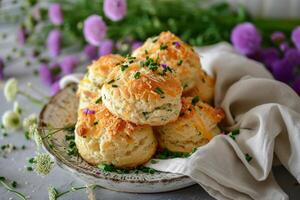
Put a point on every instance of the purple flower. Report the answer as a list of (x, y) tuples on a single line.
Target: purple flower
[(135, 45), (245, 38), (46, 74), (115, 9), (278, 37), (91, 52), (21, 35), (296, 85), (269, 56), (105, 47), (94, 29), (54, 42), (55, 88), (1, 69), (296, 37), (293, 56), (284, 46), (176, 44), (164, 66), (88, 111), (68, 64), (55, 14), (282, 70)]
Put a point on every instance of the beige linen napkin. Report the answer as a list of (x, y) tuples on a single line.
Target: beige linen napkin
[(266, 111)]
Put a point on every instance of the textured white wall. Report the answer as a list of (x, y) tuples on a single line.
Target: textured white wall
[(271, 8)]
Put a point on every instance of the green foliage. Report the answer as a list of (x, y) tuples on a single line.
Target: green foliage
[(145, 18)]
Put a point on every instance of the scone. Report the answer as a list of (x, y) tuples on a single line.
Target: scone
[(143, 92), (196, 126), (170, 50), (104, 138), (98, 70), (204, 88)]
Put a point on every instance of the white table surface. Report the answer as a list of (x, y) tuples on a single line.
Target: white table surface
[(14, 166)]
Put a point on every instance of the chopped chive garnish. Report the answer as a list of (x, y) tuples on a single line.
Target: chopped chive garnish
[(248, 157), (235, 132), (29, 169), (137, 75), (115, 86), (158, 91), (163, 46), (95, 123), (179, 62), (14, 184), (123, 67), (98, 100), (111, 81), (31, 160), (195, 100)]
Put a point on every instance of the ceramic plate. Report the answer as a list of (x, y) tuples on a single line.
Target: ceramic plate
[(62, 111)]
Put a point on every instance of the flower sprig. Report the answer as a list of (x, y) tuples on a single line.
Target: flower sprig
[(54, 194), (12, 188)]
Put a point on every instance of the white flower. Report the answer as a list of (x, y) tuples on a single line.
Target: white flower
[(29, 120), (36, 135), (43, 164), (11, 89), (11, 120), (17, 108), (52, 193)]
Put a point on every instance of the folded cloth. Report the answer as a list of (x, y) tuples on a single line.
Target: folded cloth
[(266, 111)]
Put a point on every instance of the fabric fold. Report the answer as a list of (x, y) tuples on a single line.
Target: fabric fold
[(266, 111)]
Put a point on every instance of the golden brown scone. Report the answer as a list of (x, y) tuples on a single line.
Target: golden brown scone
[(196, 126), (99, 69), (172, 51), (204, 88), (104, 138), (143, 92)]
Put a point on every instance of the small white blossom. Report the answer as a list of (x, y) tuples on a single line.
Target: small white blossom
[(52, 193), (36, 135), (43, 164), (17, 108), (11, 120), (28, 121), (11, 89)]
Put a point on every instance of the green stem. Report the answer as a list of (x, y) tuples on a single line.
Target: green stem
[(31, 98), (52, 133), (285, 25), (20, 195), (72, 190)]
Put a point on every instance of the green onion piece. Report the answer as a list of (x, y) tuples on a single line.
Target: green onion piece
[(195, 100)]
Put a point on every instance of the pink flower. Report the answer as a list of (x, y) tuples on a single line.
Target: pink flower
[(94, 29), (115, 9), (91, 52), (106, 47), (46, 74), (68, 64), (55, 88), (296, 37), (54, 42), (21, 35), (135, 45), (55, 14), (245, 38)]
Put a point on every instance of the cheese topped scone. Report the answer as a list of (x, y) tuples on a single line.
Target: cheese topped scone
[(196, 126), (99, 69), (104, 138), (170, 50), (143, 92)]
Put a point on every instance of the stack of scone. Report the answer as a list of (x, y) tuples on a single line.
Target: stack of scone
[(156, 97)]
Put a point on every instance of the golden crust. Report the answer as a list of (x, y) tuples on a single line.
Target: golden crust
[(204, 88), (92, 119), (196, 126), (170, 50), (105, 64), (144, 87)]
